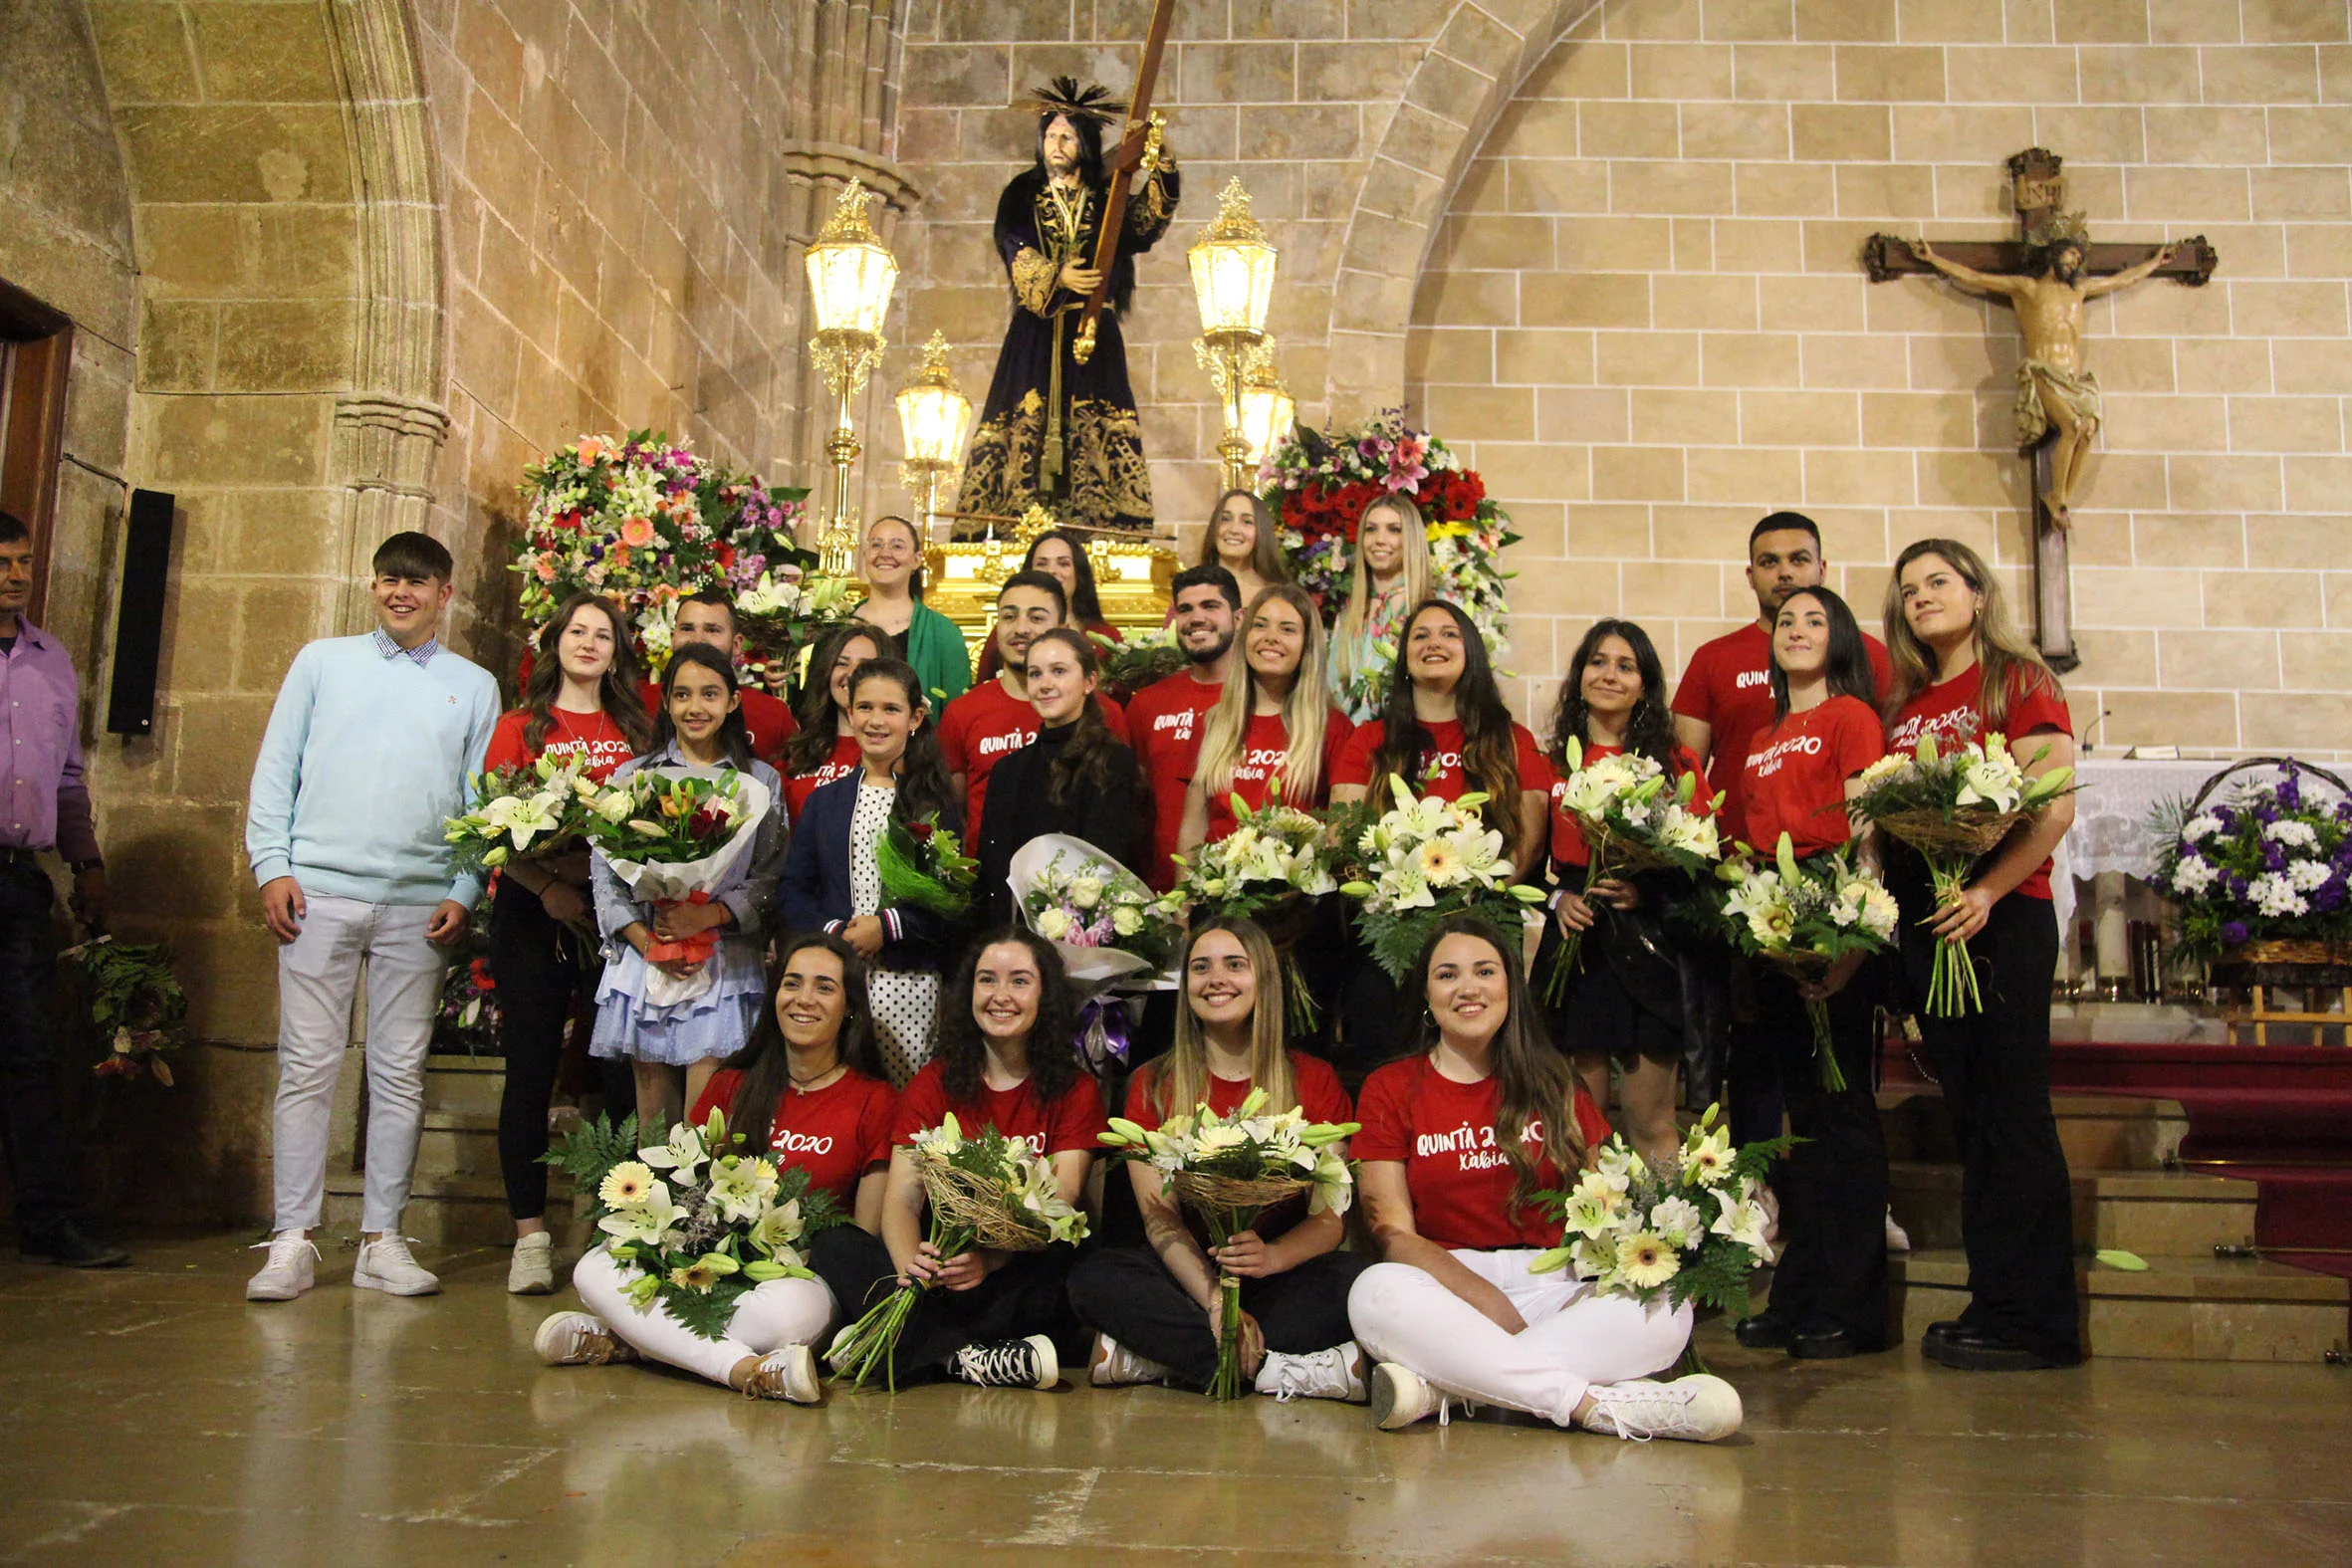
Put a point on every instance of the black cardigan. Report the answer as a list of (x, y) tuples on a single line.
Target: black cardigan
[(1115, 819)]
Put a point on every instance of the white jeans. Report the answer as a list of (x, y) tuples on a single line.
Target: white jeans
[(1574, 1338), (768, 1317), (318, 975)]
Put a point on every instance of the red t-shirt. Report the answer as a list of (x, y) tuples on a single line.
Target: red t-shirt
[(1442, 773), (1953, 710), (589, 735), (989, 724), (1794, 781), (1567, 837), (1164, 724), (1076, 1121), (1266, 745), (769, 719), (1729, 688), (1319, 1095), (836, 1134), (798, 788), (1443, 1133)]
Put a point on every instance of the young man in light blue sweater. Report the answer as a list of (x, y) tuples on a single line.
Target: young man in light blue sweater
[(366, 757)]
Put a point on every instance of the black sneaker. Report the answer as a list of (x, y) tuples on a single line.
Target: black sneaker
[(69, 1246), (1765, 1330), (1008, 1364)]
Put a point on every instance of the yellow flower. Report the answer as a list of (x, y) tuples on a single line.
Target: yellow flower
[(1646, 1261)]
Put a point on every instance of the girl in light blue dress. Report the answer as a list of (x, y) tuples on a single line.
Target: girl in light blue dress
[(701, 731)]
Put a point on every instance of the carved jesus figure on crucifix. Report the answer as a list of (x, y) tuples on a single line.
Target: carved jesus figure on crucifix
[(2055, 389)]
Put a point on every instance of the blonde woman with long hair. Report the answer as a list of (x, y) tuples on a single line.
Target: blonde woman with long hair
[(1155, 1308), (1962, 670), (1241, 538), (1388, 575), (1272, 730)]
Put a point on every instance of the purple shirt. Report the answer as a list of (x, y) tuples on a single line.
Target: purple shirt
[(43, 802)]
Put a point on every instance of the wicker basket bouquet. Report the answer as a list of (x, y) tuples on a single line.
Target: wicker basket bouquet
[(1276, 860), (1693, 1230), (1230, 1169), (1953, 806), (988, 1191), (2262, 874), (1633, 820), (697, 1220), (1801, 917)]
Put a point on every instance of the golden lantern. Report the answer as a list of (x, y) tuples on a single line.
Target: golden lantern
[(1268, 410), (933, 415), (851, 276), (1233, 267)]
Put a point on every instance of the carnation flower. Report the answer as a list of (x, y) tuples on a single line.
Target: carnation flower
[(2288, 832), (2276, 896), (2193, 875), (2200, 829)]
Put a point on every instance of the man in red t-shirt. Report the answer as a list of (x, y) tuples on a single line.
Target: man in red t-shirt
[(1164, 721), (994, 719), (1725, 694), (708, 617)]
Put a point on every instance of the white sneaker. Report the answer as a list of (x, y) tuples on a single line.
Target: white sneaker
[(1701, 1407), (1898, 1239), (788, 1374), (1336, 1373), (290, 1270), (578, 1339), (1114, 1365), (1008, 1364), (1400, 1397), (532, 1271), (386, 1264)]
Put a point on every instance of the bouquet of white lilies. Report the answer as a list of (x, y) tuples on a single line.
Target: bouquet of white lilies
[(1423, 860), (1229, 1169), (699, 1220), (1633, 820), (985, 1191), (1693, 1232), (1952, 806), (1802, 916), (521, 814), (1275, 859)]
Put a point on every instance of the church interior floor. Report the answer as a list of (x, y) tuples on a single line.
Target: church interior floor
[(151, 1416)]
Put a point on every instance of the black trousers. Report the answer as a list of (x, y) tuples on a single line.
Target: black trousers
[(537, 971), (1027, 1295), (2016, 1202), (1379, 1017), (1832, 1272), (1128, 1293), (1754, 1099), (41, 1161)]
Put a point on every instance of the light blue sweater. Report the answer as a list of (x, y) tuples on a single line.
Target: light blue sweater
[(365, 760)]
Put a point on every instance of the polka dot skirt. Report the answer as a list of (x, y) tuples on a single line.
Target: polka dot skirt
[(903, 1004)]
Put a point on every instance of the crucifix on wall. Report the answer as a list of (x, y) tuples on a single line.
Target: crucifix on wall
[(2046, 276)]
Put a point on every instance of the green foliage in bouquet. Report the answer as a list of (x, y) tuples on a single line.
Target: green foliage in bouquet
[(1129, 666), (136, 1006), (520, 813), (924, 867), (652, 817)]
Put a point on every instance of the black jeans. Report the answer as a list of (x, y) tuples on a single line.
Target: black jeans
[(1754, 1099), (1128, 1293), (538, 970), (1027, 1295), (40, 1157), (1832, 1272), (2016, 1202)]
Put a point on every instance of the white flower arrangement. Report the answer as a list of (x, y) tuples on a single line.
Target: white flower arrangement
[(1633, 818), (1425, 859), (1802, 916), (521, 814)]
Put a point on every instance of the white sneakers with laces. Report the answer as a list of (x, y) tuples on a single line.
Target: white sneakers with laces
[(1701, 1407), (532, 1271), (1336, 1373), (386, 1264), (292, 1268), (1113, 1365), (578, 1339), (1400, 1397), (788, 1373)]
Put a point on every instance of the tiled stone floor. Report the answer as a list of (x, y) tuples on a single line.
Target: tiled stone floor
[(151, 1416)]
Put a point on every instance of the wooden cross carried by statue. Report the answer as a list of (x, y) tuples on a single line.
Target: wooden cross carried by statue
[(2046, 276)]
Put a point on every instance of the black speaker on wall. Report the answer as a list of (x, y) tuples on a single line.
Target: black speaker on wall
[(138, 623)]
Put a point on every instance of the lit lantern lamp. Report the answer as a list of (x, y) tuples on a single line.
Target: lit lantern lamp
[(1267, 411), (933, 414), (851, 276), (1233, 269)]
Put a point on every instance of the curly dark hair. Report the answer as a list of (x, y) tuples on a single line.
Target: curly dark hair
[(766, 1063), (1649, 728), (960, 1049)]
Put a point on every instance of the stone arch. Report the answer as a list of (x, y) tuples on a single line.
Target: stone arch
[(1441, 119)]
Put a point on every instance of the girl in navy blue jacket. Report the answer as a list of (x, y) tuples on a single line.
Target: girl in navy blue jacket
[(830, 879)]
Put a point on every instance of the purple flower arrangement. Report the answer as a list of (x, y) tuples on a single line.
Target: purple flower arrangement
[(2269, 865)]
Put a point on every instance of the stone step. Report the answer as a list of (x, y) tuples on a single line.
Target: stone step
[(2156, 1214), (2178, 1309), (2100, 1132)]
